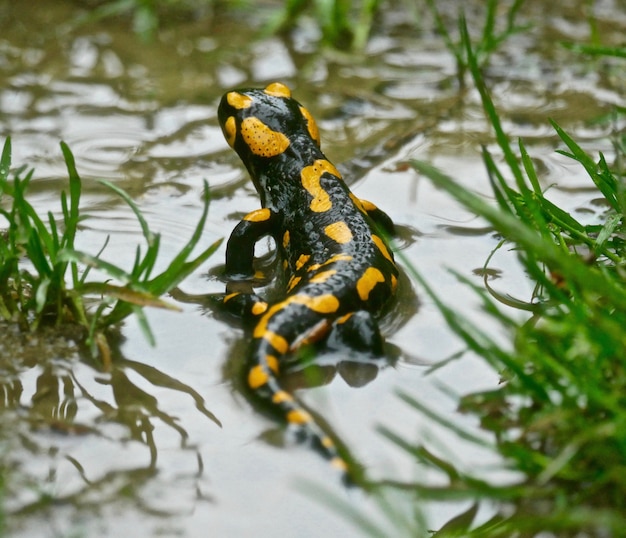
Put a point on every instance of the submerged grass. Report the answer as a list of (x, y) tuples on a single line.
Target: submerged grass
[(44, 278)]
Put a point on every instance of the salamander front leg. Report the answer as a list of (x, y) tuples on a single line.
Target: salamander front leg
[(240, 300), (240, 246), (243, 303)]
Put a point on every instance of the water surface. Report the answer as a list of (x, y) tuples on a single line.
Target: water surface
[(164, 444)]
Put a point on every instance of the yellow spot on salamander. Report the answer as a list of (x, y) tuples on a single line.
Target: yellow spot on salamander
[(311, 335), (261, 140), (322, 304), (332, 259), (272, 363), (339, 463), (357, 203), (277, 89), (258, 215), (362, 205), (382, 247), (311, 176), (368, 281), (323, 276), (339, 232), (368, 206), (282, 396), (298, 416), (230, 130), (301, 261), (261, 326), (259, 308), (257, 377), (311, 125), (394, 283), (238, 100), (345, 317), (293, 282), (327, 442), (230, 296), (259, 374), (286, 239), (277, 341)]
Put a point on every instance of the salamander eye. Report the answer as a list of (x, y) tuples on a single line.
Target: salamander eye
[(230, 130), (311, 125), (277, 89)]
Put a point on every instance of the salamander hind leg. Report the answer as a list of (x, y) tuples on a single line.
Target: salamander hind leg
[(239, 304), (357, 331), (247, 306)]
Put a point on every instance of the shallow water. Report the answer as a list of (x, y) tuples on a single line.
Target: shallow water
[(163, 443)]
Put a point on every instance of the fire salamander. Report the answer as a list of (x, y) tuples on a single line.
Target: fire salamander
[(340, 271)]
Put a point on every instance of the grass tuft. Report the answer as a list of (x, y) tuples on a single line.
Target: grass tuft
[(558, 419), (45, 279)]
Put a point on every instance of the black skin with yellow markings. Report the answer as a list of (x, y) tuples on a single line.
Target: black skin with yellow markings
[(340, 271)]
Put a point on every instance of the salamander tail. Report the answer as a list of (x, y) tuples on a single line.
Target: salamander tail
[(263, 381)]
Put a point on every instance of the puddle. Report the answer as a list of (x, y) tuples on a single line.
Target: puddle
[(163, 443)]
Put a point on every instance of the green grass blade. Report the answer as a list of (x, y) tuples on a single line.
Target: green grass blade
[(489, 107), (564, 219), (530, 169), (614, 185), (179, 267), (145, 229), (37, 255), (488, 37), (72, 216), (78, 282), (113, 271), (579, 275), (505, 197), (41, 294), (142, 269), (31, 221), (163, 283), (128, 295), (170, 279), (143, 324), (5, 164), (597, 50), (54, 244), (453, 47), (605, 182), (613, 224), (440, 419)]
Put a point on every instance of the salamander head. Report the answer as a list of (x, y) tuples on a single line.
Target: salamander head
[(265, 124)]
